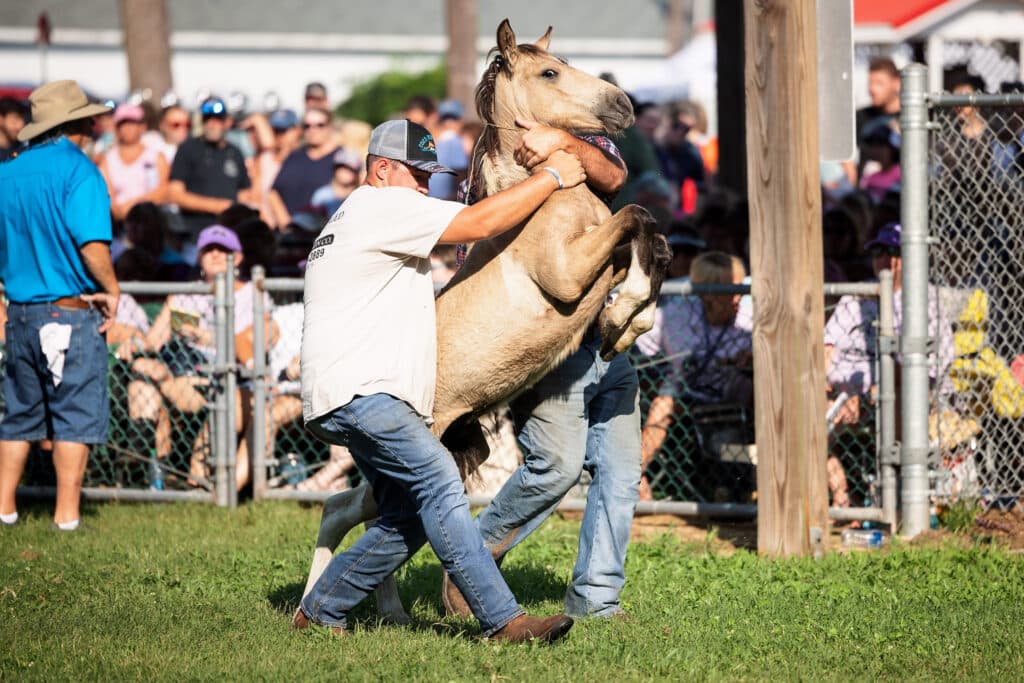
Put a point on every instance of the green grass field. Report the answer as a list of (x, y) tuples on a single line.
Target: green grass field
[(185, 592)]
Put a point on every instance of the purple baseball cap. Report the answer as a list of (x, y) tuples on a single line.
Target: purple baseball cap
[(220, 236), (888, 236)]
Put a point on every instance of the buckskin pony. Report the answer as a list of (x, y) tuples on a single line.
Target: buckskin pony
[(522, 301)]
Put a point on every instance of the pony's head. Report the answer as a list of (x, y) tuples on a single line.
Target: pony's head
[(527, 81)]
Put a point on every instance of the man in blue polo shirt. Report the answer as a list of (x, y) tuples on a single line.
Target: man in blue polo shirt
[(59, 278)]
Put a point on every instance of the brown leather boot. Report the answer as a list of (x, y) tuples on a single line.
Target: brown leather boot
[(454, 604), (525, 628), (300, 622)]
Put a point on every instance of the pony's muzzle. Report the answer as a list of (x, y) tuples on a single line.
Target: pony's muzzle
[(617, 115)]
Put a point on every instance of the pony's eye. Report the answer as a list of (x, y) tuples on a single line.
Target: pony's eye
[(549, 74)]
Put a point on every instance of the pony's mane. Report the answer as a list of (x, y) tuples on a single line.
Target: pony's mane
[(487, 145)]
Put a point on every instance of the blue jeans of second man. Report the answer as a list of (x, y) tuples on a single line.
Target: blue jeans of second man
[(420, 497), (582, 416)]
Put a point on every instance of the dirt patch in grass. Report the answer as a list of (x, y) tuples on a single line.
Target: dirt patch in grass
[(1005, 526)]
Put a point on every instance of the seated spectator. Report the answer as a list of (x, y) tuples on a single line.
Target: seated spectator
[(693, 115), (272, 138), (147, 229), (306, 169), (882, 146), (972, 125), (348, 171), (13, 115), (649, 120), (208, 174), (450, 150), (422, 109), (183, 336), (316, 96), (707, 340), (851, 347), (679, 158), (173, 128), (134, 173)]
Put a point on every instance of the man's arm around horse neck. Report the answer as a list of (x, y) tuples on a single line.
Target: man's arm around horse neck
[(503, 211)]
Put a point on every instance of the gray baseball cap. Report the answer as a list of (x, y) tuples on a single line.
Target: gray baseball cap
[(407, 142)]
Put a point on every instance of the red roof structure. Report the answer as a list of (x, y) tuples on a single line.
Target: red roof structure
[(894, 13)]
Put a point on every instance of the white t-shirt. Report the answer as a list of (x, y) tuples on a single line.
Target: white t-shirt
[(369, 325)]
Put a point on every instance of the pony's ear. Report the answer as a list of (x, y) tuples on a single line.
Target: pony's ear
[(544, 40), (507, 42)]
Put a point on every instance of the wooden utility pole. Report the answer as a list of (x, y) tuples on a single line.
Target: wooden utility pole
[(147, 45), (787, 269), (461, 22)]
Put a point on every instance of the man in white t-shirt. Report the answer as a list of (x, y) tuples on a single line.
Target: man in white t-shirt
[(369, 367)]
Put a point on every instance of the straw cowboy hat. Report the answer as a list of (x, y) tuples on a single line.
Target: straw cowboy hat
[(56, 103)]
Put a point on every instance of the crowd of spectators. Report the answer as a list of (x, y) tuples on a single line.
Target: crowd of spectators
[(268, 181)]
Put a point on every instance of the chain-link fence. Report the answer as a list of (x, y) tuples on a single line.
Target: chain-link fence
[(294, 463), (167, 435), (976, 219), (696, 401), (696, 397)]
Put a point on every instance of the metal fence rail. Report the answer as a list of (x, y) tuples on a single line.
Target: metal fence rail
[(974, 200), (704, 465)]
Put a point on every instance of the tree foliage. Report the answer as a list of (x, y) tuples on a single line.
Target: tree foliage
[(381, 97)]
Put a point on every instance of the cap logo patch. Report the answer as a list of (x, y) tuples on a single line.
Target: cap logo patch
[(427, 145)]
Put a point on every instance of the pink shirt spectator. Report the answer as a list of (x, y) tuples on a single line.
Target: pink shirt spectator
[(135, 179)]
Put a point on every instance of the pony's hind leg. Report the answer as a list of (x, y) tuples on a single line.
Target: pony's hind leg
[(342, 512)]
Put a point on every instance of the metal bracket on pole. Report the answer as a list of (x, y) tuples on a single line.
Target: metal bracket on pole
[(888, 344), (890, 455), (259, 389), (230, 385), (920, 345), (218, 421)]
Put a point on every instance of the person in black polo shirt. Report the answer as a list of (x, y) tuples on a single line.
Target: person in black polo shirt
[(208, 174)]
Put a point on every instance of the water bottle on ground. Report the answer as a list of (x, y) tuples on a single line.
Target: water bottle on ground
[(293, 470), (156, 475), (862, 538)]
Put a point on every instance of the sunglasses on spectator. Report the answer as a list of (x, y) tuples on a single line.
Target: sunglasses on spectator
[(219, 117), (307, 125), (880, 251), (176, 124)]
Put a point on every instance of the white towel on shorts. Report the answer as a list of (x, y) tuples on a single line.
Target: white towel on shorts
[(54, 339)]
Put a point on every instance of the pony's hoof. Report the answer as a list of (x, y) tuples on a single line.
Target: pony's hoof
[(399, 618)]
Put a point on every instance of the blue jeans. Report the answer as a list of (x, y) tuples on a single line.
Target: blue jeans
[(420, 497), (76, 410), (581, 416)]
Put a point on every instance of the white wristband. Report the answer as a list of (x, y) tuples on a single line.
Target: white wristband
[(554, 173)]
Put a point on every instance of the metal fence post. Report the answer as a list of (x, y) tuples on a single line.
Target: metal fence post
[(914, 332), (259, 390), (230, 367), (887, 446), (218, 423)]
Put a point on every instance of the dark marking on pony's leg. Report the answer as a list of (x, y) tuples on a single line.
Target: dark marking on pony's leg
[(467, 444)]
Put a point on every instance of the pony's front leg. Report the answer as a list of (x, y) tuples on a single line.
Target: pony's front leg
[(632, 312), (566, 271)]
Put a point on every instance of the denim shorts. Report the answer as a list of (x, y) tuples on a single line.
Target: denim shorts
[(76, 410)]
